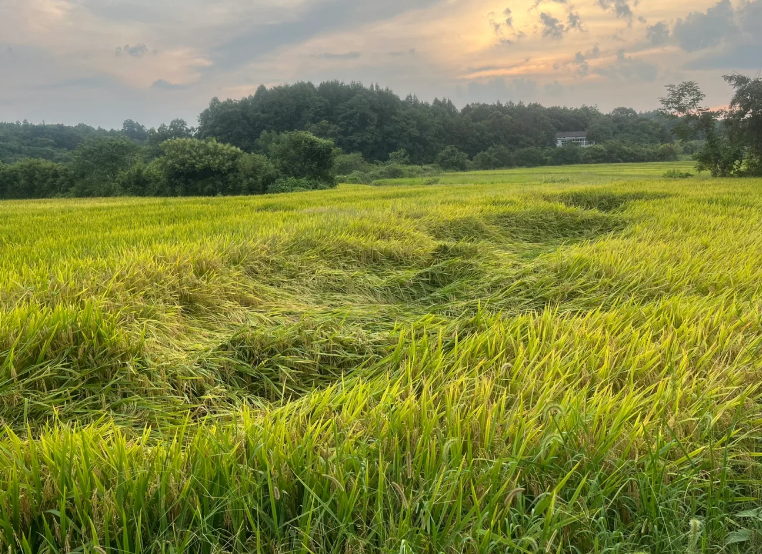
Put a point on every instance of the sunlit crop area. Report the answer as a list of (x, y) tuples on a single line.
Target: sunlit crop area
[(549, 360)]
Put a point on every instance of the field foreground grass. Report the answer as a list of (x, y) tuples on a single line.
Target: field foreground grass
[(547, 360)]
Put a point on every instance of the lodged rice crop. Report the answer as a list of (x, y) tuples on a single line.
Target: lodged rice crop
[(553, 360)]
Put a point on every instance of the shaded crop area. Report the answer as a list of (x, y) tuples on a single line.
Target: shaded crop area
[(538, 362)]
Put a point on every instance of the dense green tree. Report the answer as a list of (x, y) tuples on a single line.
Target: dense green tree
[(530, 157), (134, 131), (744, 119), (375, 122), (566, 155), (96, 164), (304, 156), (51, 142), (256, 174), (596, 154), (399, 157), (601, 130), (177, 128), (346, 164), (34, 178), (200, 167), (720, 155), (495, 157), (452, 159)]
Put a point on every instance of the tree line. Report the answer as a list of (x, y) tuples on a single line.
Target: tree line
[(370, 120), (301, 136), (181, 166)]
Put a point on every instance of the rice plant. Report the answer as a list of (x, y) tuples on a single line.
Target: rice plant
[(563, 361)]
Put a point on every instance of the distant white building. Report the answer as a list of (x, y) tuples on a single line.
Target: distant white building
[(576, 137)]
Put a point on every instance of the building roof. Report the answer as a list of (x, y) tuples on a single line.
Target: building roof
[(573, 134)]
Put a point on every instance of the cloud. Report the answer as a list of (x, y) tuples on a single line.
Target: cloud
[(161, 84), (628, 69), (658, 34), (400, 53), (551, 27), (741, 56), (317, 18), (214, 45), (750, 15), (538, 2), (499, 27), (344, 56), (620, 7), (575, 21), (699, 31), (94, 82), (581, 60), (555, 89), (498, 89), (137, 51), (728, 38)]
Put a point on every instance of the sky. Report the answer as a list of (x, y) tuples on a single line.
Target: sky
[(103, 61)]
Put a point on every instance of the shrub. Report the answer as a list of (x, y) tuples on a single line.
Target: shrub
[(530, 157), (566, 155), (400, 157), (290, 184), (347, 164), (256, 174), (452, 159), (357, 178), (304, 156), (667, 153), (200, 167), (96, 164), (143, 180), (595, 154), (675, 174), (389, 171), (34, 178), (495, 157), (295, 184)]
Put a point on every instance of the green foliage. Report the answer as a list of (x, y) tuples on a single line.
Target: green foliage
[(143, 180), (677, 174), (399, 157), (744, 120), (304, 156), (732, 138), (347, 164), (34, 178), (96, 164), (291, 184), (530, 157), (20, 141), (568, 154), (668, 153), (135, 131), (256, 174), (375, 122), (595, 154), (495, 157), (452, 159), (202, 168), (602, 130), (177, 129)]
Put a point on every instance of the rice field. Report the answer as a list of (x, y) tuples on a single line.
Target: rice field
[(554, 360)]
